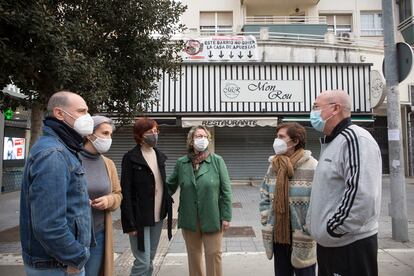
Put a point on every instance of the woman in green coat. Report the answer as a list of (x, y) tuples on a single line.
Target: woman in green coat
[(205, 202)]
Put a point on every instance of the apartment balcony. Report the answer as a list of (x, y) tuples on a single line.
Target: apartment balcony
[(344, 42), (310, 25), (407, 30), (280, 3)]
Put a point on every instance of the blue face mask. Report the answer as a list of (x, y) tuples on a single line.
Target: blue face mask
[(316, 120)]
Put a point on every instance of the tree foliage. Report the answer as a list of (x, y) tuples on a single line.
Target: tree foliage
[(109, 51)]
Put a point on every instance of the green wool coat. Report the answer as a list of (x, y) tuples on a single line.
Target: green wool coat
[(206, 192)]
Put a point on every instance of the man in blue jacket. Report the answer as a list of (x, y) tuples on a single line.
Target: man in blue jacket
[(55, 222)]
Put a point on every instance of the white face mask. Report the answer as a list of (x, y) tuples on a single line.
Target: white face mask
[(201, 144), (280, 146), (101, 145), (83, 124)]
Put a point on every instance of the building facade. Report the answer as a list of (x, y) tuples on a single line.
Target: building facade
[(251, 64)]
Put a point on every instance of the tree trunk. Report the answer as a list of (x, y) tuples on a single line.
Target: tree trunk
[(36, 123)]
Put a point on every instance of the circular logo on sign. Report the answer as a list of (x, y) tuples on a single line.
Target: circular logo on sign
[(193, 47), (231, 90), (377, 89)]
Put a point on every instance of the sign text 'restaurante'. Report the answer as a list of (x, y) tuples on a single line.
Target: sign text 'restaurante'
[(230, 123)]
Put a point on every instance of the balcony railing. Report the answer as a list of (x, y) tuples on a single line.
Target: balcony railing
[(291, 4), (212, 30), (329, 40), (275, 20), (344, 40), (371, 32)]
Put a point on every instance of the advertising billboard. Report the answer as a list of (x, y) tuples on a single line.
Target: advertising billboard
[(14, 148)]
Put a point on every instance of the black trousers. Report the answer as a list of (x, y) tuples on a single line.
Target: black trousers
[(357, 258), (283, 265)]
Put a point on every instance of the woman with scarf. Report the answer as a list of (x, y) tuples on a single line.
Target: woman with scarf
[(285, 195), (205, 202), (104, 195), (146, 201)]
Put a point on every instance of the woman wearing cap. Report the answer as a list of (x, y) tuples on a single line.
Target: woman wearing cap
[(146, 200), (205, 207), (104, 195)]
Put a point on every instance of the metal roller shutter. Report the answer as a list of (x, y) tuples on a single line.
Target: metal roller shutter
[(313, 142), (245, 150), (122, 141), (171, 141)]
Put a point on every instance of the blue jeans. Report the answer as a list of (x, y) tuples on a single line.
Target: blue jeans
[(30, 271), (143, 260), (94, 264)]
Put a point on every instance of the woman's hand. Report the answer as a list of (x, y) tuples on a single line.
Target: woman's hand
[(225, 225), (100, 203), (133, 233)]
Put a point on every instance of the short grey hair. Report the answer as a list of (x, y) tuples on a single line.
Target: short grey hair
[(340, 97), (190, 136), (98, 120), (59, 99)]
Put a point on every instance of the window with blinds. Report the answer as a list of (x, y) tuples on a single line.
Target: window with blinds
[(214, 23), (371, 24), (339, 23)]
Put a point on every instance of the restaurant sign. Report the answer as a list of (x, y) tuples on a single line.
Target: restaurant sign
[(283, 91), (229, 122)]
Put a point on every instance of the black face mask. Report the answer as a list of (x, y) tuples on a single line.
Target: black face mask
[(151, 139)]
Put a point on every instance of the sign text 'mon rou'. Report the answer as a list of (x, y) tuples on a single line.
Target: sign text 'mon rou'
[(262, 91)]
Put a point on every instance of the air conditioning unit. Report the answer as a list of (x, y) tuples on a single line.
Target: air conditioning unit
[(345, 37)]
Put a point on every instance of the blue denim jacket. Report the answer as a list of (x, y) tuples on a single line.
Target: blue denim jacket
[(55, 220)]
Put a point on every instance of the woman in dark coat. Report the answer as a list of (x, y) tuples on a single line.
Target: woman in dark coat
[(145, 197)]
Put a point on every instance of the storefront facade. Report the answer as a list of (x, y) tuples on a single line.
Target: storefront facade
[(242, 103)]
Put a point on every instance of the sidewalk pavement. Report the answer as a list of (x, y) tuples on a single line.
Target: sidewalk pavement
[(243, 252)]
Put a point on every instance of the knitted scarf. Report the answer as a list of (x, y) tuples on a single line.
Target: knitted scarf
[(284, 169), (196, 159)]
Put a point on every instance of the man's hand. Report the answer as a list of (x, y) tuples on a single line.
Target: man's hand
[(133, 233), (100, 203), (72, 270), (225, 225)]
